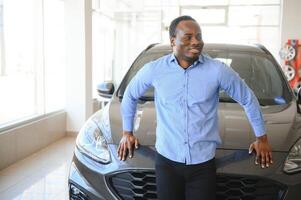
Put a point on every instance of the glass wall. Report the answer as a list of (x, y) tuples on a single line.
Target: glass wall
[(32, 58), (123, 28), (54, 55)]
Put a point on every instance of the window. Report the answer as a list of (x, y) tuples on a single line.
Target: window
[(241, 22), (54, 55), (211, 15), (32, 58), (119, 33), (122, 29)]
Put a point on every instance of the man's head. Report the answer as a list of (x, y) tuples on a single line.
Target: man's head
[(186, 38)]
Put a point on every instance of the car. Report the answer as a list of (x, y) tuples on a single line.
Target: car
[(96, 172)]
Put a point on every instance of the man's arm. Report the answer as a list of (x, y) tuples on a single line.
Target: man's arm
[(136, 88), (236, 88)]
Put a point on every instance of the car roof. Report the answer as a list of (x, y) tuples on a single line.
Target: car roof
[(214, 47)]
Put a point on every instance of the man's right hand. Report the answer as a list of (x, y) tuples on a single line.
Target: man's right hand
[(126, 144)]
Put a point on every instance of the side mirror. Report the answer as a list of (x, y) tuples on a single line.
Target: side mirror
[(299, 96), (299, 100), (106, 89)]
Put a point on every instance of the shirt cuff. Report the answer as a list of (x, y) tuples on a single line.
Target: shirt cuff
[(127, 124), (260, 130)]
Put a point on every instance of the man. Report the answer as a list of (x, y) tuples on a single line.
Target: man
[(187, 86)]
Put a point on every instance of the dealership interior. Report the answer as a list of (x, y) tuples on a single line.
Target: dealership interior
[(65, 58)]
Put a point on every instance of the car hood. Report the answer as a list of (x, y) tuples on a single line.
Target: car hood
[(282, 124)]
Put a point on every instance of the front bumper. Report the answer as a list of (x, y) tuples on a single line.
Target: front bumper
[(238, 177)]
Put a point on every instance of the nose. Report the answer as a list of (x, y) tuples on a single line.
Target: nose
[(196, 40)]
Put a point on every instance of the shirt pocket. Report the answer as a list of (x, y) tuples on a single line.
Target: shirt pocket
[(202, 93), (172, 96), (170, 87)]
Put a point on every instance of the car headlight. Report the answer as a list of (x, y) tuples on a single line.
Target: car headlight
[(293, 161), (91, 142)]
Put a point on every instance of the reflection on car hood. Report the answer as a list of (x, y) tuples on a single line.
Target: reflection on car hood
[(281, 121)]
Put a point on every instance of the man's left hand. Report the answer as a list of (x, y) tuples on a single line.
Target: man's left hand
[(263, 151)]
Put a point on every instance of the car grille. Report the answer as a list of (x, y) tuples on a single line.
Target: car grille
[(141, 184)]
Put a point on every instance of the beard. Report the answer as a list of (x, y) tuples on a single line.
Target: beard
[(191, 59)]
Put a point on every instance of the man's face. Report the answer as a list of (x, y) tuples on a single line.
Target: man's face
[(188, 43)]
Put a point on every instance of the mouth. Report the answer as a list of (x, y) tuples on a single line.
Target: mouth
[(195, 50)]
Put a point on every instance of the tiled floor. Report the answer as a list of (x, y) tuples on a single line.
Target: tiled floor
[(41, 176)]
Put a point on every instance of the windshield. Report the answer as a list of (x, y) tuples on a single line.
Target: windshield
[(257, 70)]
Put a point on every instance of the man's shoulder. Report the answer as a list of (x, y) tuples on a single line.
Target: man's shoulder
[(213, 63), (208, 59), (163, 60), (156, 64)]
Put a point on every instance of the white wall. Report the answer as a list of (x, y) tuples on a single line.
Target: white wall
[(78, 23), (291, 20)]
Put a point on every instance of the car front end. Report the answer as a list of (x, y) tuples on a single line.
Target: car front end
[(96, 171)]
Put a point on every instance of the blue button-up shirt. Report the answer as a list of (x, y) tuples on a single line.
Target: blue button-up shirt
[(187, 104)]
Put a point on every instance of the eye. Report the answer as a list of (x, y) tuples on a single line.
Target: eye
[(199, 37), (187, 37)]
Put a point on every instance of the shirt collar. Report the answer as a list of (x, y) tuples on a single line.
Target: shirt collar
[(172, 58)]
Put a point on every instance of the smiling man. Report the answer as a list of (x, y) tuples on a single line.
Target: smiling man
[(187, 85)]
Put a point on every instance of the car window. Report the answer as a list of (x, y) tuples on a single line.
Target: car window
[(138, 64), (261, 75), (257, 70)]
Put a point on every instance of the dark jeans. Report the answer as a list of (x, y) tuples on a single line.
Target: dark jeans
[(178, 181)]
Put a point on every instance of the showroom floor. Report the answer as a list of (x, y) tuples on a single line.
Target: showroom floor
[(41, 176)]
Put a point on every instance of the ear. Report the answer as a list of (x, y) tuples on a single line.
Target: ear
[(173, 41)]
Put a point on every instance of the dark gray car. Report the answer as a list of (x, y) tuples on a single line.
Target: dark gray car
[(97, 173)]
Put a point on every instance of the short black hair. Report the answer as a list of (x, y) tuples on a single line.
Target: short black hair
[(175, 22)]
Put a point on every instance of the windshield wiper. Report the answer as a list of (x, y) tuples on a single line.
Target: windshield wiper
[(147, 98), (143, 98), (221, 99), (229, 100), (226, 100)]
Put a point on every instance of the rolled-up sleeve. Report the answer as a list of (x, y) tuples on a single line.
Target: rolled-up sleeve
[(237, 89), (135, 89)]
